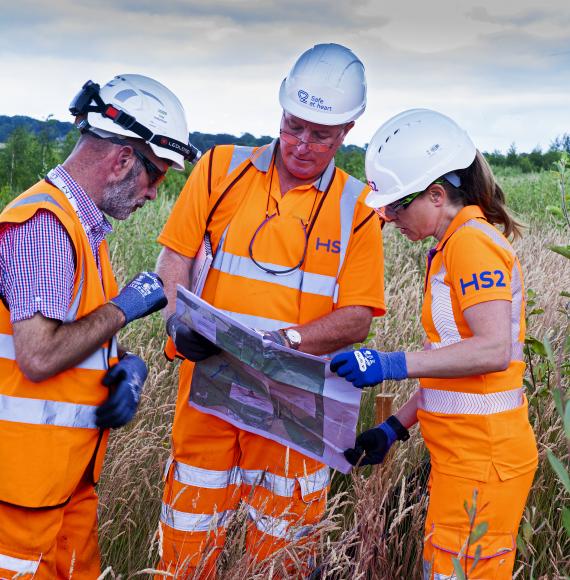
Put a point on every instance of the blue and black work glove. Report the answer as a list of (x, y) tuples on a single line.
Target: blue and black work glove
[(125, 381), (189, 343), (366, 367), (371, 446), (142, 296)]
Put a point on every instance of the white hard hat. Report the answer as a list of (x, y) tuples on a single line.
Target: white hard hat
[(326, 85), (137, 106), (411, 151)]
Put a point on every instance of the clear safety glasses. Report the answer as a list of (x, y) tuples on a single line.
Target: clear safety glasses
[(316, 146)]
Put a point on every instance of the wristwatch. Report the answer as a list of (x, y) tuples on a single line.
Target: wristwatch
[(293, 337)]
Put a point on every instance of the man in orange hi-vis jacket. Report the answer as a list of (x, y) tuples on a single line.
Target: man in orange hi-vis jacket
[(295, 255), (64, 382)]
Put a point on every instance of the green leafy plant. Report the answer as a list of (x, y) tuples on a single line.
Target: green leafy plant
[(476, 532)]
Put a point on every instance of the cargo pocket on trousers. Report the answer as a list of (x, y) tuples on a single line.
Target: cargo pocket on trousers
[(447, 542)]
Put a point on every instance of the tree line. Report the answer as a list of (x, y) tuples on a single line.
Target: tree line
[(30, 150)]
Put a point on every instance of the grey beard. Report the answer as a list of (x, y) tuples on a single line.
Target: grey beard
[(117, 199)]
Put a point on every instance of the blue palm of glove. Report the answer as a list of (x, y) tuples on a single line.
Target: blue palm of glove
[(125, 381), (366, 367), (142, 296)]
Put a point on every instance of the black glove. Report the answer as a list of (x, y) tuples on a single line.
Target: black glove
[(190, 343), (125, 381), (376, 442)]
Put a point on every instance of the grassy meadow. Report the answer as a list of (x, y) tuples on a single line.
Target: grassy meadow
[(374, 523)]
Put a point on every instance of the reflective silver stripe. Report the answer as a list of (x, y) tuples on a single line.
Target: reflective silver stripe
[(98, 361), (43, 412), (442, 311), (240, 154), (285, 486), (277, 527), (258, 321), (306, 282), (36, 198), (517, 350), (517, 311), (74, 306), (262, 157), (208, 478), (187, 522), (350, 194), (7, 350), (454, 403), (240, 266), (277, 484), (18, 564)]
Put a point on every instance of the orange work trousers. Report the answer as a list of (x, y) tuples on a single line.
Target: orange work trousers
[(284, 493), (499, 503), (50, 543)]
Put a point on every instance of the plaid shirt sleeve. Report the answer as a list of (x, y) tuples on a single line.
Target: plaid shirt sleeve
[(37, 267)]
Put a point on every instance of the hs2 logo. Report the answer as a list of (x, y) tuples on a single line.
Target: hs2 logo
[(485, 279), (332, 246)]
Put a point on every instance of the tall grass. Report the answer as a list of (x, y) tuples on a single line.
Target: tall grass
[(374, 523)]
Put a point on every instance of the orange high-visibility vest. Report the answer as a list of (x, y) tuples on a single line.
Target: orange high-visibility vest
[(473, 423), (48, 436), (233, 205), (343, 265)]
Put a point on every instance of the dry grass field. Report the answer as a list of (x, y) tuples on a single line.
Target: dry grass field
[(373, 527)]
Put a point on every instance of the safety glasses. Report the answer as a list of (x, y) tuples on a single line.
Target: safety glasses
[(155, 175), (390, 212), (316, 146)]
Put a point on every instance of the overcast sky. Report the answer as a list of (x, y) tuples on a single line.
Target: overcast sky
[(500, 68)]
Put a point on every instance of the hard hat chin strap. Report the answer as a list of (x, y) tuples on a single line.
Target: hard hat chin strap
[(81, 105)]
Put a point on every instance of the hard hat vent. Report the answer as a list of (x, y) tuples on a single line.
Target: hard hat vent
[(412, 150)]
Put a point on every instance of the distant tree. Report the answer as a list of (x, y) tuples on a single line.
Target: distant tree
[(49, 155), (561, 143), (496, 158), (21, 160), (66, 146), (352, 161), (512, 156)]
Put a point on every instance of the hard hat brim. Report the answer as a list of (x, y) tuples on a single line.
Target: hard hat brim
[(314, 115)]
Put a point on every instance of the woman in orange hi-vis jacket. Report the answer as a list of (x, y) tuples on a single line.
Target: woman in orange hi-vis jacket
[(430, 180)]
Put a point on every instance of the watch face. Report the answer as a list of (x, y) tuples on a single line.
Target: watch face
[(294, 337)]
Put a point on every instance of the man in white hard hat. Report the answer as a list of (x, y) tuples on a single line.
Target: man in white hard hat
[(296, 255), (64, 382)]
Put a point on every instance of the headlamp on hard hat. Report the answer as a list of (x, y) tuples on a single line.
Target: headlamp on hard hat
[(82, 104)]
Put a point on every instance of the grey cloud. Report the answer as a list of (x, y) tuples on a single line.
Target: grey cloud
[(521, 19), (319, 13)]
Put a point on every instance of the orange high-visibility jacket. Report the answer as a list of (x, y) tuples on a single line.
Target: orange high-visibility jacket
[(48, 436), (343, 265), (467, 430)]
